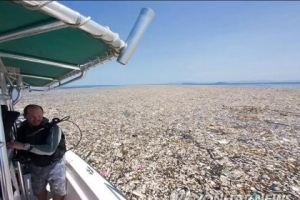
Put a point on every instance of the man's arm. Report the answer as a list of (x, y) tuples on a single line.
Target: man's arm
[(46, 149)]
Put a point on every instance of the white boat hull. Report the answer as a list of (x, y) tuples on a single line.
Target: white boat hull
[(83, 182)]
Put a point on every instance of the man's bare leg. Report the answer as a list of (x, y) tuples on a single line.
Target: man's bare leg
[(43, 195), (58, 197)]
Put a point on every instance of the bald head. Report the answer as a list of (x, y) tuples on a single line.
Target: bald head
[(33, 114)]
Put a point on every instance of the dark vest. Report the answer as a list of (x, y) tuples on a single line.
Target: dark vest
[(40, 138)]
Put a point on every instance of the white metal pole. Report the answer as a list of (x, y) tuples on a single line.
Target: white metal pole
[(6, 185), (137, 32)]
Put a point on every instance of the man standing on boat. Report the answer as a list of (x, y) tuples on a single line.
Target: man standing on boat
[(46, 147)]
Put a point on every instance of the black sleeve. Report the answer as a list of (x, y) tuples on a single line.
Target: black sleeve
[(20, 137), (21, 156)]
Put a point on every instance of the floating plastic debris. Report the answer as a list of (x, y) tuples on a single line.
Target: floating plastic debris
[(255, 195), (223, 142), (274, 188), (103, 173), (295, 188), (212, 140)]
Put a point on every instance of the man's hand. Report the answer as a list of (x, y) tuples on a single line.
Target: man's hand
[(15, 145)]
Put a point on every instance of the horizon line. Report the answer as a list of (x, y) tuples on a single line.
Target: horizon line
[(193, 83)]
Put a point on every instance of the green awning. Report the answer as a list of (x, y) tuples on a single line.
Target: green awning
[(35, 54)]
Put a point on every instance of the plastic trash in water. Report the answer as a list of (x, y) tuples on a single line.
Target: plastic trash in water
[(223, 141), (274, 188), (140, 167), (103, 172), (187, 136), (255, 195)]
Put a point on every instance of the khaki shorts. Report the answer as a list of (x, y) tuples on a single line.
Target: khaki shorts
[(54, 174)]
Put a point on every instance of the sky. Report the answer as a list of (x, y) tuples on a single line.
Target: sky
[(200, 41)]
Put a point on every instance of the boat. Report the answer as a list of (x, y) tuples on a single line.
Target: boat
[(45, 45)]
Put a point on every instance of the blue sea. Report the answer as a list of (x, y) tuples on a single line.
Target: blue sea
[(294, 85)]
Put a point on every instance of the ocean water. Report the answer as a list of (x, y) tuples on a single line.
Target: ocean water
[(255, 85), (92, 86)]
